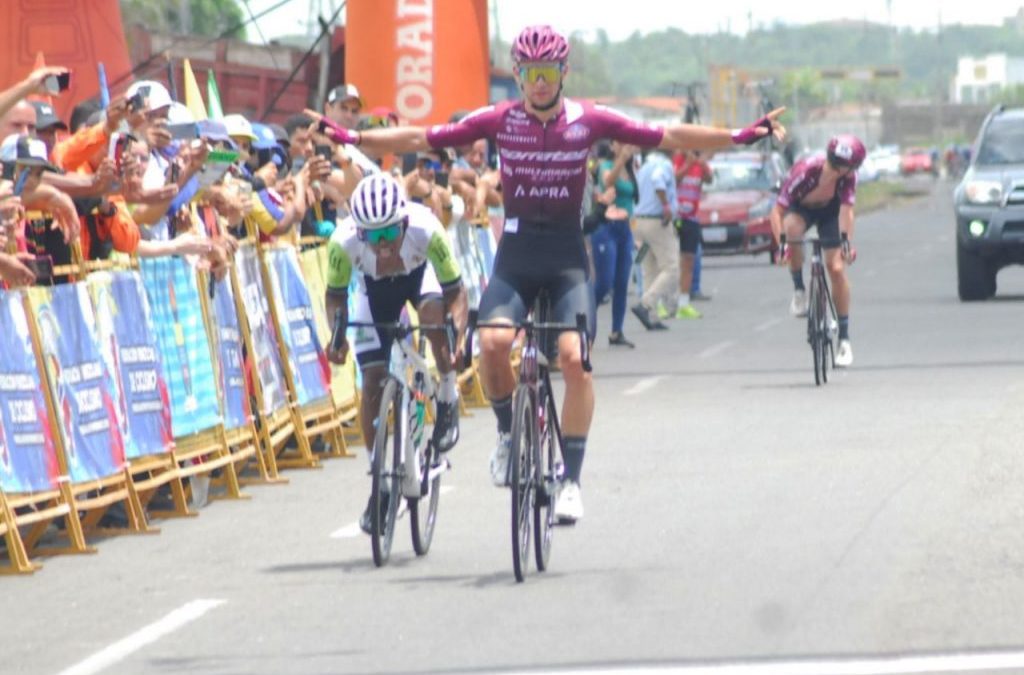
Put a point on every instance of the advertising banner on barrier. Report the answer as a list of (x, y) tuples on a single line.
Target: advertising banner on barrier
[(308, 361), (181, 334), (83, 387), (267, 357), (314, 269), (128, 345), (231, 371), (28, 458)]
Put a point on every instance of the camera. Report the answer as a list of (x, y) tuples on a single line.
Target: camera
[(58, 83), (138, 100)]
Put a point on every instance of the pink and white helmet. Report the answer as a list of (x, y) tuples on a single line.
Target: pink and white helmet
[(540, 43)]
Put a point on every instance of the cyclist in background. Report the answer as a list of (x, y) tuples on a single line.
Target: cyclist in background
[(820, 192), (391, 241), (543, 143)]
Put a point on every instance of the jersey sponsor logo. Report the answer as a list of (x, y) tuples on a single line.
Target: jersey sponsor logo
[(537, 156), (576, 132), (519, 114), (543, 192), (515, 138)]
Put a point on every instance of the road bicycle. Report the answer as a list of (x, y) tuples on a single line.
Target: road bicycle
[(535, 461), (404, 461)]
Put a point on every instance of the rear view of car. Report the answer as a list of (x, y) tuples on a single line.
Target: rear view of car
[(734, 210), (918, 160), (989, 204)]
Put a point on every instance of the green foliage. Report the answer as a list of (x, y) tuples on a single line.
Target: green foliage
[(206, 17), (657, 64)]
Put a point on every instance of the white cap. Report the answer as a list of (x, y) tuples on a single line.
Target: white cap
[(158, 96), (239, 126), (179, 113)]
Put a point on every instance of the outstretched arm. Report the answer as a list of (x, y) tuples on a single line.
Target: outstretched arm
[(699, 137), (378, 141)]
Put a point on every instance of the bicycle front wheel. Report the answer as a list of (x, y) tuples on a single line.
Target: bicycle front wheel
[(521, 477), (814, 336), (547, 467), (386, 490), (423, 510)]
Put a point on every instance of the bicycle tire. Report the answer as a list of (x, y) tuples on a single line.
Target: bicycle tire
[(521, 454), (387, 457), (423, 517), (812, 328), (549, 449), (824, 340)]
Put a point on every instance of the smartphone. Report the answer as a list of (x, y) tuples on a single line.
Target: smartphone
[(325, 151), (19, 185), (183, 131), (42, 267), (58, 83), (138, 101)]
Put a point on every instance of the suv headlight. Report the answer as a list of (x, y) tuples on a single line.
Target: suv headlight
[(761, 209), (983, 192)]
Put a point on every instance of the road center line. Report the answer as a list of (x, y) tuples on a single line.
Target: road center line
[(123, 648), (351, 531), (913, 664), (762, 327), (643, 385), (714, 350)]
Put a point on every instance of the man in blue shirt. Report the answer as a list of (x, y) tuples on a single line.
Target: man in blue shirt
[(655, 213)]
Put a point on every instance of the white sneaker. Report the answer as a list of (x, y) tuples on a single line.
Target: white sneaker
[(499, 460), (844, 355), (569, 504), (798, 305)]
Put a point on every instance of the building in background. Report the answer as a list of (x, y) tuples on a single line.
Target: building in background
[(982, 80)]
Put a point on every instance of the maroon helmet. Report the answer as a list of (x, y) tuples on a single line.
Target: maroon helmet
[(846, 150), (540, 43)]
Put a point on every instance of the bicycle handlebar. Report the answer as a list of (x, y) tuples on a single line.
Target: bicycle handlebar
[(400, 329), (529, 326)]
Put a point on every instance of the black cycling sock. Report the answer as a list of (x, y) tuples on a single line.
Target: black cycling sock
[(844, 327), (503, 411), (572, 451), (798, 279)]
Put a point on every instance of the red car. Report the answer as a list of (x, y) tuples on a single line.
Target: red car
[(918, 160), (734, 210)]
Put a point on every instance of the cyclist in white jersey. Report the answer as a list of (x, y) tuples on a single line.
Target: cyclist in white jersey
[(404, 255)]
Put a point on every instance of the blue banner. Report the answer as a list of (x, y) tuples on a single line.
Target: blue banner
[(83, 387), (128, 344), (181, 334), (307, 359), (237, 410), (28, 459)]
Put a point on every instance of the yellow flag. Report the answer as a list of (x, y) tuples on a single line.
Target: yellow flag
[(193, 97)]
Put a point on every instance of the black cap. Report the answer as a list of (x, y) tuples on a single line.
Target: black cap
[(46, 118)]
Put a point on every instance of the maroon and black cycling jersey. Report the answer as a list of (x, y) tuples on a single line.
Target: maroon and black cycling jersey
[(805, 176), (544, 165)]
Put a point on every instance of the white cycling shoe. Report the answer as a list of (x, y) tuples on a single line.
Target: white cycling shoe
[(569, 504), (499, 460), (844, 355), (798, 305)]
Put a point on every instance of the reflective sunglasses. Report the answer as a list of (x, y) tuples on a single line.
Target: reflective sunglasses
[(551, 72), (390, 233), (430, 164)]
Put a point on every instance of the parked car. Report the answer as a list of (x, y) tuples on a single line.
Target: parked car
[(989, 204), (919, 160), (886, 160), (734, 210)]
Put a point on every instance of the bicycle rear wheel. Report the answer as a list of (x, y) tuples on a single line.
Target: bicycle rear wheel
[(548, 463), (386, 490), (521, 477), (423, 510)]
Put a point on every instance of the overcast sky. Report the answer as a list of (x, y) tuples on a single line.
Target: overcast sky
[(622, 19)]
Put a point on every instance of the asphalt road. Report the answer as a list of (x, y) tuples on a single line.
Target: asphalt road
[(738, 518)]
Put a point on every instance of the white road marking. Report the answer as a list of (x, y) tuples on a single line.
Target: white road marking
[(932, 663), (139, 639), (643, 385), (351, 531), (762, 327), (714, 350)]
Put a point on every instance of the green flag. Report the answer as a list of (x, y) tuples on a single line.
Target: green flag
[(213, 97)]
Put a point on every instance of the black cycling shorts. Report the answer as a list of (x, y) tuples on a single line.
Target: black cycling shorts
[(536, 256), (383, 302), (825, 218), (689, 235)]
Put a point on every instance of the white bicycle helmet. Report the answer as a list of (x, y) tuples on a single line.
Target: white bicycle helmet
[(378, 201)]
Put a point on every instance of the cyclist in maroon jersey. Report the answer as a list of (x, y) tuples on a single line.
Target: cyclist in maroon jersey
[(820, 192), (543, 142)]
